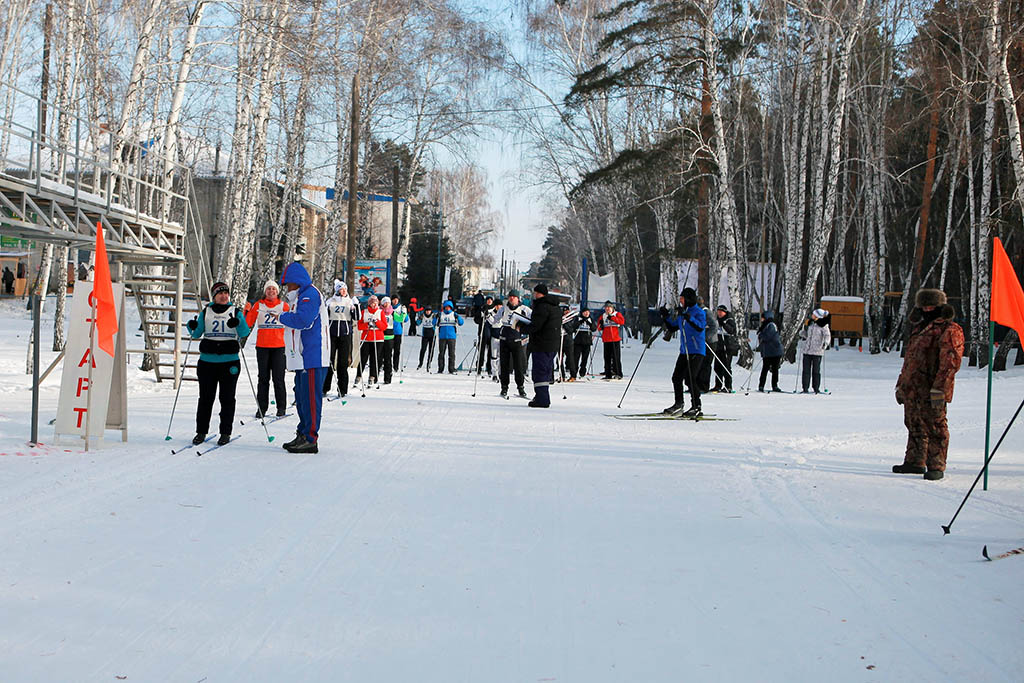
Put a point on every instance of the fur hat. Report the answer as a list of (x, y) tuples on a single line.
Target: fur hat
[(930, 297)]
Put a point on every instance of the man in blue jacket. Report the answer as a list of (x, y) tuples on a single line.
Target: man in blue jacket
[(307, 353), (690, 320)]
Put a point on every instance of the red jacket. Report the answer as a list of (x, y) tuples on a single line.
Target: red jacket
[(263, 316), (610, 327), (372, 322)]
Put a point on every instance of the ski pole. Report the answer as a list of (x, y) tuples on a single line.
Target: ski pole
[(252, 387), (640, 360), (945, 528), (561, 359), (593, 354), (750, 376), (181, 380)]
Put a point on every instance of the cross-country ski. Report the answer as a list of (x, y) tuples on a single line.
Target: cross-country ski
[(1000, 556)]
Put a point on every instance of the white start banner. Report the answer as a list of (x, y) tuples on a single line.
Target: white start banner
[(93, 384)]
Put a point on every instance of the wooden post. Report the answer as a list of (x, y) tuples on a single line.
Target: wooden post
[(394, 228)]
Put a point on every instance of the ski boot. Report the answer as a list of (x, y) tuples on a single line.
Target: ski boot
[(674, 410), (198, 439), (693, 413), (224, 439)]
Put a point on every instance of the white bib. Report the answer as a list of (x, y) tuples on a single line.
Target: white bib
[(216, 326)]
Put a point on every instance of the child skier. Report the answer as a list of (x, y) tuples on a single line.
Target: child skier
[(371, 326), (427, 322), (219, 326)]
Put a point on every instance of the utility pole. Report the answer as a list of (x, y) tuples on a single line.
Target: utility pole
[(394, 227), (353, 184)]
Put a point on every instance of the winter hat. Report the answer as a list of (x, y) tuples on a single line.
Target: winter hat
[(689, 296), (219, 287), (930, 297), (513, 292), (541, 288), (412, 300), (385, 301), (819, 313), (373, 299), (448, 304), (497, 301), (723, 309), (609, 303), (339, 285), (271, 284)]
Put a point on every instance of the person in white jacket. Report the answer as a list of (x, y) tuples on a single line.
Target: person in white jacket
[(342, 313), (817, 338)]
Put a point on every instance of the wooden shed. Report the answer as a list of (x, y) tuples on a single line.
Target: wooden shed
[(847, 315)]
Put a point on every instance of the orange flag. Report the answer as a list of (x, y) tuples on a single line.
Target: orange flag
[(103, 293), (1007, 305)]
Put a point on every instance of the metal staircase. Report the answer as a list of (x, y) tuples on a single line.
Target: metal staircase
[(61, 177)]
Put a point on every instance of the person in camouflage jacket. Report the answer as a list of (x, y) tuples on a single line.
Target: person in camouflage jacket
[(925, 384)]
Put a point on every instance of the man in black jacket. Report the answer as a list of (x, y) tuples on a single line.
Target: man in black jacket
[(545, 330)]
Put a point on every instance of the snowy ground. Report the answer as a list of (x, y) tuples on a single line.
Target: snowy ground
[(440, 537)]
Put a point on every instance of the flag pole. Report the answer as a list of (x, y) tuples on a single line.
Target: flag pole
[(988, 402), (92, 362)]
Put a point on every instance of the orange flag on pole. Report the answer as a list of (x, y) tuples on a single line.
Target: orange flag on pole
[(103, 293), (1007, 305)]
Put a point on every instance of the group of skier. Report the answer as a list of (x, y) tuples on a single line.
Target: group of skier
[(315, 338)]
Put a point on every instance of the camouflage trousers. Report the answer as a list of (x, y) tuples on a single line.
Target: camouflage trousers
[(927, 435)]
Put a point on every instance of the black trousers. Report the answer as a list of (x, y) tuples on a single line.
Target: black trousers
[(686, 375), (368, 356), (512, 359), (271, 365), (387, 348), (612, 359), (582, 354), (214, 377), (341, 358), (567, 363), (723, 367), (396, 352), (446, 346), (769, 365), (812, 372), (484, 352), (426, 346)]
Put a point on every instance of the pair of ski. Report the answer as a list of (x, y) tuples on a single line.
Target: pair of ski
[(266, 420), (1015, 551), (206, 441), (707, 417)]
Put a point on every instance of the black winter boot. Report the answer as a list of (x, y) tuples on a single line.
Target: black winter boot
[(224, 438), (674, 409), (299, 439), (908, 469), (304, 447), (198, 439), (932, 475)]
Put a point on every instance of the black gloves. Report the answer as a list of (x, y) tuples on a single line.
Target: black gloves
[(192, 324), (233, 320), (663, 312)]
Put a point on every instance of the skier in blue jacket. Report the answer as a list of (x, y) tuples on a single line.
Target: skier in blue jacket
[(307, 353), (446, 334), (690, 320)]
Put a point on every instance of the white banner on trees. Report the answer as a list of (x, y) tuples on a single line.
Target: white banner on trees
[(600, 288), (93, 384)]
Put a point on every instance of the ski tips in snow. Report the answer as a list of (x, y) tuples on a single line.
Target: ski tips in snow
[(984, 553), (1000, 556)]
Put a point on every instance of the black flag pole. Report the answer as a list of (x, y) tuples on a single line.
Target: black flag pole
[(946, 527)]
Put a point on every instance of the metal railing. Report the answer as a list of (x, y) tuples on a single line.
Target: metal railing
[(57, 155)]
